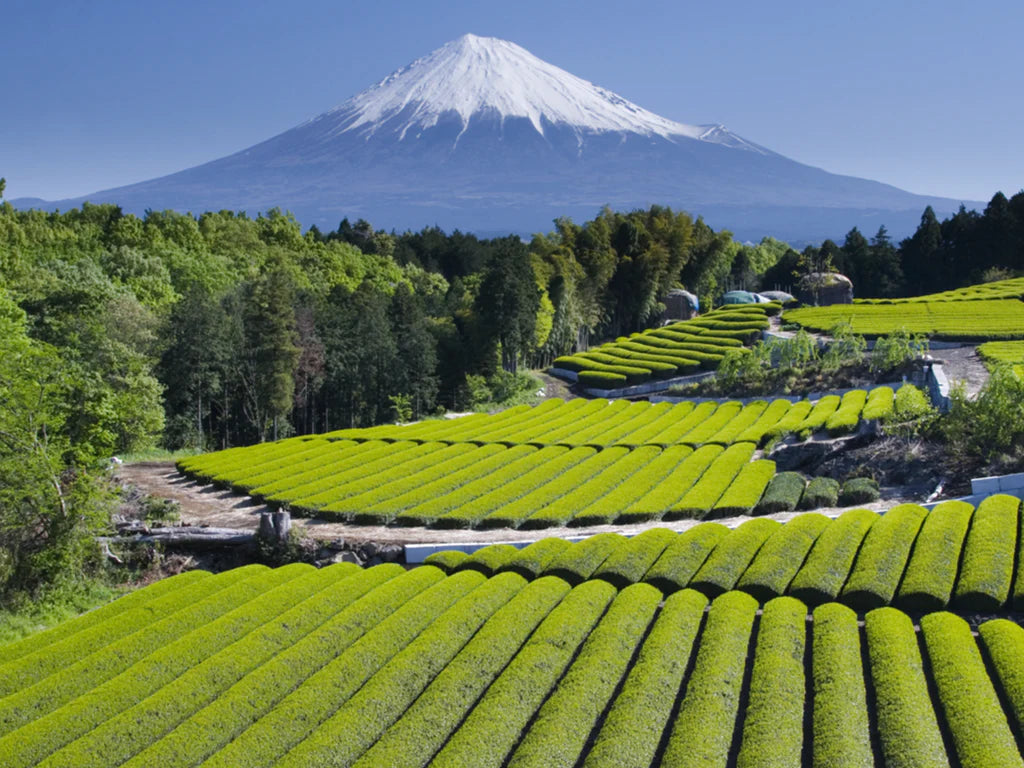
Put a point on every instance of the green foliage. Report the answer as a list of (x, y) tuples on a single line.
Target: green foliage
[(883, 557), (1003, 641), (991, 424), (632, 731), (730, 558), (703, 731), (931, 573), (828, 566), (844, 348), (969, 702), (820, 492), (782, 494), (908, 729), (684, 556), (773, 729), (858, 490), (841, 736), (776, 563), (988, 555)]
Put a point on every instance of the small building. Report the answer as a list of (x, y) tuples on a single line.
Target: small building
[(780, 296), (820, 289), (680, 305)]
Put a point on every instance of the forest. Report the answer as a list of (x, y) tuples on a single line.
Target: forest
[(119, 333)]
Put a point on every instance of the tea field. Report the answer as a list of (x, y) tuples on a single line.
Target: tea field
[(385, 667)]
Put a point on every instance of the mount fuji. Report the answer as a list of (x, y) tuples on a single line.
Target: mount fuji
[(483, 136)]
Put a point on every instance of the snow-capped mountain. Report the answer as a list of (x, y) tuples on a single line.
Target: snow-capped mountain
[(483, 136)]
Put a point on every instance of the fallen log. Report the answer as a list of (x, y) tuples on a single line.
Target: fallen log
[(187, 536)]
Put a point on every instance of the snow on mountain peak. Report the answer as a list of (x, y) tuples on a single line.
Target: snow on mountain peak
[(475, 74)]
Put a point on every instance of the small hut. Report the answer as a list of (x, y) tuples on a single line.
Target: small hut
[(824, 288), (780, 296), (680, 305)]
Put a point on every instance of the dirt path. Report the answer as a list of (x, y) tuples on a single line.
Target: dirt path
[(206, 505), (963, 365)]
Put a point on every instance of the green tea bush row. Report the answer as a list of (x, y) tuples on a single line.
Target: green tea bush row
[(777, 562), (727, 562), (702, 734), (681, 559), (530, 561), (783, 493), (769, 418), (907, 726), (819, 415), (883, 558), (655, 467), (702, 496), (288, 613), (321, 694), (820, 492), (744, 420), (437, 713), (384, 698), (858, 490), (563, 724), (879, 404), (632, 731), (37, 720), (773, 727), (828, 566), (969, 702), (66, 643), (847, 416), (630, 561), (578, 562), (841, 735), (495, 725), (222, 721), (931, 573), (746, 490), (1003, 641), (987, 569), (723, 415)]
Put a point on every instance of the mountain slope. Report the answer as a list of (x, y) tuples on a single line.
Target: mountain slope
[(484, 136)]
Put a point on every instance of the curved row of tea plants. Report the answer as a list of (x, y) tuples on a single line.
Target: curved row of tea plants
[(981, 320), (352, 667), (954, 555), (676, 349)]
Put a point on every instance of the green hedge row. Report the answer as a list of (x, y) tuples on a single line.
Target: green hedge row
[(1003, 641), (841, 736), (66, 643), (633, 374), (632, 731), (883, 558), (487, 560), (729, 433), (495, 725), (858, 490), (702, 496), (321, 694), (222, 721), (819, 415), (987, 569), (727, 562), (594, 489), (820, 492), (542, 467), (681, 559), (385, 697), (37, 720), (520, 511), (436, 714), (371, 456), (518, 461), (777, 562), (846, 417), (879, 404), (703, 732), (773, 726), (723, 415), (759, 430), (655, 467), (448, 560), (673, 432), (931, 573), (907, 726), (560, 730), (578, 562), (791, 421), (288, 613), (630, 562), (530, 561), (746, 490), (783, 493), (828, 566), (969, 702)]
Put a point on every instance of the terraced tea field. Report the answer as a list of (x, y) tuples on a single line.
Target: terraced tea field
[(385, 667), (966, 320), (581, 462), (672, 350)]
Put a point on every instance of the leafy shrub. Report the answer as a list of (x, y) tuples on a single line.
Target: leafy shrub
[(783, 493), (601, 380), (990, 425), (858, 490), (896, 349), (820, 492)]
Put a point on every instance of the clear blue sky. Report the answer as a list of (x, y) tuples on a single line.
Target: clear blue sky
[(926, 96)]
